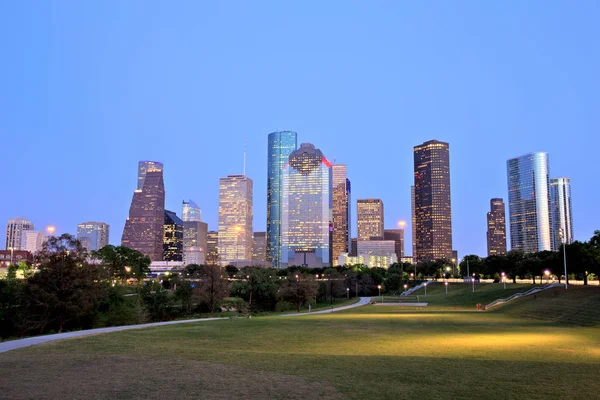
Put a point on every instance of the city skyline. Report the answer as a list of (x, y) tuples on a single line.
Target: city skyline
[(487, 108)]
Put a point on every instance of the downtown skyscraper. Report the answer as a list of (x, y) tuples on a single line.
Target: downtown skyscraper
[(281, 145), (529, 203), (93, 235), (496, 228), (306, 209), (341, 197), (432, 210), (14, 232), (144, 227), (235, 220), (561, 210), (369, 219), (194, 234), (172, 237)]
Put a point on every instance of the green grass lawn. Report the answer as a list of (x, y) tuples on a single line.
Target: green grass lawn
[(448, 351)]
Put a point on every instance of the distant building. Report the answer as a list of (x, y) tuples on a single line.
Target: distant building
[(413, 220), (529, 203), (371, 261), (407, 259), (369, 219), (496, 228), (259, 249), (377, 247), (397, 235), (191, 212), (33, 241), (433, 214), (562, 215), (235, 220), (212, 248), (96, 233), (195, 242), (281, 145), (172, 237), (14, 232), (306, 214), (341, 194), (353, 247), (144, 227), (8, 257)]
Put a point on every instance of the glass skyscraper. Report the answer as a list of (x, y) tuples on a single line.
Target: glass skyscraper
[(341, 211), (191, 211), (496, 228), (281, 145), (96, 234), (562, 217), (235, 220), (306, 224), (529, 203), (144, 167)]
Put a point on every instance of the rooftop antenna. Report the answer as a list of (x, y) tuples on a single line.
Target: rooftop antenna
[(244, 155)]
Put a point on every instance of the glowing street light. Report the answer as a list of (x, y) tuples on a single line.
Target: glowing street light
[(425, 288), (504, 280), (547, 273), (379, 287), (473, 280), (50, 229), (446, 284), (348, 293), (405, 286)]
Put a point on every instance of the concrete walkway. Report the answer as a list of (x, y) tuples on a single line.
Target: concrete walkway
[(20, 343)]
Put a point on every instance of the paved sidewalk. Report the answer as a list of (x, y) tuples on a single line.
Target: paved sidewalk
[(20, 343)]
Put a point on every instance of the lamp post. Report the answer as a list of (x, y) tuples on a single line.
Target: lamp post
[(504, 280), (50, 229), (561, 234), (547, 273), (379, 287), (473, 281), (446, 284), (425, 285), (405, 286), (348, 293)]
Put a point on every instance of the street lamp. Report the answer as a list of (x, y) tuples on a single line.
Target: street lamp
[(50, 229), (504, 279), (561, 234), (425, 288), (547, 273), (405, 286), (348, 293), (379, 287), (446, 284), (473, 280), (412, 276)]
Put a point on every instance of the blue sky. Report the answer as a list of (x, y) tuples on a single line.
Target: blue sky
[(90, 88)]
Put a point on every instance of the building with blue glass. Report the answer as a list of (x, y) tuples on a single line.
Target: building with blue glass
[(529, 203), (562, 215), (306, 209), (281, 145)]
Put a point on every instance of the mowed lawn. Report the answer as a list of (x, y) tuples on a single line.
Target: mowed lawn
[(445, 351)]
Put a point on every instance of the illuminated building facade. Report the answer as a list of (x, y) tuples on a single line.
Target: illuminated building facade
[(341, 194), (259, 250), (212, 248), (433, 212), (235, 220), (281, 145), (496, 228), (413, 220), (95, 234), (172, 237), (190, 211), (562, 217), (529, 203), (306, 224), (369, 219), (144, 167), (396, 235), (14, 232), (144, 227)]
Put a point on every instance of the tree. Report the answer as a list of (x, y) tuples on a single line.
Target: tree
[(258, 286), (231, 270), (65, 293), (185, 294), (213, 287), (122, 262), (299, 289), (156, 300), (393, 282)]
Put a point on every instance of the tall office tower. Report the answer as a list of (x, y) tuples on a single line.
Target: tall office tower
[(369, 219), (259, 249), (172, 237), (397, 235), (144, 227), (195, 242), (33, 241), (281, 145), (413, 221), (190, 211), (353, 247), (341, 211), (496, 228), (560, 206), (433, 213), (235, 220), (212, 248), (306, 209), (96, 233), (144, 167), (529, 203), (14, 231)]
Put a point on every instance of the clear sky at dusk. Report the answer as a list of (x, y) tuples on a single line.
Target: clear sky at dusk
[(89, 88)]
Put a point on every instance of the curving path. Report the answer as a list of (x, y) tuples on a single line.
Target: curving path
[(20, 343)]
